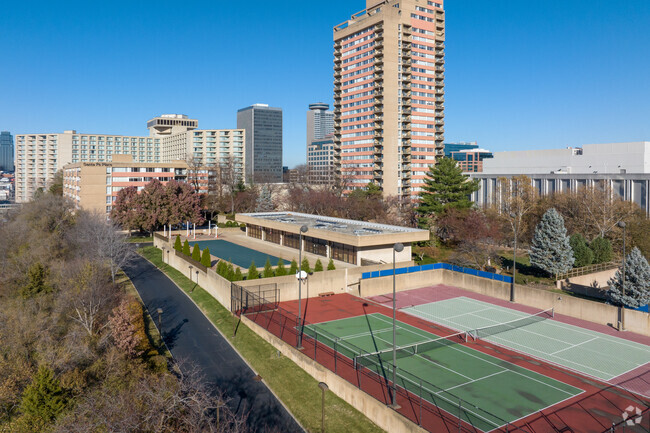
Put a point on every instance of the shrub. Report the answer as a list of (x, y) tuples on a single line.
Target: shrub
[(37, 275), (177, 244), (196, 253), (602, 249), (206, 260), (238, 276), (293, 268), (221, 270), (268, 269), (582, 253), (305, 265), (186, 248), (318, 267), (44, 399), (280, 271), (252, 272), (330, 265), (230, 271)]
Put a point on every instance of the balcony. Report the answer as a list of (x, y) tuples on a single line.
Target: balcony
[(378, 77), (379, 150), (379, 54)]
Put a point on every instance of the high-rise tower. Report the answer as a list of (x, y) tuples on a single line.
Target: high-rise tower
[(389, 95), (263, 149), (6, 151), (320, 122)]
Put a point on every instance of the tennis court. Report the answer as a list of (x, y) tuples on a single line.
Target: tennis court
[(484, 391), (238, 255), (588, 352)]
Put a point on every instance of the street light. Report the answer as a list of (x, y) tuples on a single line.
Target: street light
[(191, 272), (167, 256), (197, 277), (324, 387), (160, 311), (621, 326), (398, 247), (514, 259), (303, 229)]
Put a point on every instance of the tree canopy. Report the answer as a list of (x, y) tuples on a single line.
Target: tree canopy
[(550, 249), (636, 290)]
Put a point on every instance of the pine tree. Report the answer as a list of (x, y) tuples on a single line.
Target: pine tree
[(318, 267), (37, 276), (230, 272), (602, 249), (637, 282), (43, 400), (206, 260), (238, 276), (186, 248), (330, 265), (583, 254), (268, 269), (280, 270), (550, 249), (264, 202), (196, 253), (445, 187), (252, 272), (177, 244), (221, 267), (305, 266), (293, 267)]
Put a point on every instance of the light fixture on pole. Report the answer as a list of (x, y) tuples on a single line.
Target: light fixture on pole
[(300, 277), (398, 247), (324, 387), (168, 256), (197, 276), (621, 325), (191, 272), (514, 258)]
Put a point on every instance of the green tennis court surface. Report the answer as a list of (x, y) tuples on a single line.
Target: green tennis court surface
[(485, 391), (589, 352), (240, 256)]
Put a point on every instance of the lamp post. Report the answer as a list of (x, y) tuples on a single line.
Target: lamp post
[(398, 247), (621, 326), (191, 272), (303, 229), (160, 311), (514, 259), (167, 256), (197, 276), (324, 387)]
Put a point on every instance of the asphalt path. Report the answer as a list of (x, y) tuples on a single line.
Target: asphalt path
[(190, 336)]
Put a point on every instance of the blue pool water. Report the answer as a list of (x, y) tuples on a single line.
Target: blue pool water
[(240, 256)]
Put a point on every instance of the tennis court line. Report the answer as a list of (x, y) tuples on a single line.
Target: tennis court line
[(472, 381), (573, 346), (514, 371)]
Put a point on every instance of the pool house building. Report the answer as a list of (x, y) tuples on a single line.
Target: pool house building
[(350, 241)]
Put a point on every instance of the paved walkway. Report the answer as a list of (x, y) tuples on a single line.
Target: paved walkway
[(190, 336)]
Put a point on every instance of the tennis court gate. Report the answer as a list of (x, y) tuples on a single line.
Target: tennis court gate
[(253, 299)]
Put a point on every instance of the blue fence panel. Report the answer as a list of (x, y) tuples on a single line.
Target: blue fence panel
[(643, 308), (484, 274), (385, 272), (375, 274), (401, 271), (437, 266), (414, 269), (428, 267), (366, 275), (454, 268)]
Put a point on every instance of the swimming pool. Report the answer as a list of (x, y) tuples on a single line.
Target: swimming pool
[(238, 255)]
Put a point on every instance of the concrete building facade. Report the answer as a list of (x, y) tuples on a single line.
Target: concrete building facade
[(624, 167), (320, 122), (6, 151), (263, 142), (320, 161), (389, 95)]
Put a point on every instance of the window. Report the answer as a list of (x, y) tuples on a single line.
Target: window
[(345, 253), (254, 231)]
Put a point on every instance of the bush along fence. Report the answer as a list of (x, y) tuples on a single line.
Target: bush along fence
[(433, 266)]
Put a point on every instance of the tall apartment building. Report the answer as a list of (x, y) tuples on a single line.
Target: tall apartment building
[(6, 151), (171, 137), (320, 161), (263, 150), (389, 95), (320, 122)]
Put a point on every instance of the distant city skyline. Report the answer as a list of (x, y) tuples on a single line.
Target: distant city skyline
[(519, 75)]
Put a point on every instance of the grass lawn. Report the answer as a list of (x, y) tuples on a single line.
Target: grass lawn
[(526, 273), (297, 389), (139, 239)]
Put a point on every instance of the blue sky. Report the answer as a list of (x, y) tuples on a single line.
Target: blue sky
[(520, 74)]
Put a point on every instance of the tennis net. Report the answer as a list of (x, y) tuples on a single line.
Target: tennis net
[(488, 331), (376, 358)]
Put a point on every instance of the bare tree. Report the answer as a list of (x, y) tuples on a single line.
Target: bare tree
[(518, 197), (603, 209), (195, 169)]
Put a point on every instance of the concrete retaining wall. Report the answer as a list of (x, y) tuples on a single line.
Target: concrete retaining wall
[(377, 412)]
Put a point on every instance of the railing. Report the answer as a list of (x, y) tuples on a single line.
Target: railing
[(587, 270), (433, 266)]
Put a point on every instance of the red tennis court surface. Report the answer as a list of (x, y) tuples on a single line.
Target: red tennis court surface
[(596, 410)]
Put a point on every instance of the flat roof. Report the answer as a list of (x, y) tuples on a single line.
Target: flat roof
[(355, 232)]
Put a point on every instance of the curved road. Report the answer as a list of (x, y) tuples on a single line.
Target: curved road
[(190, 336)]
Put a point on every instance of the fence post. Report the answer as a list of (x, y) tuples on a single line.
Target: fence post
[(335, 352), (420, 418), (460, 414), (315, 343)]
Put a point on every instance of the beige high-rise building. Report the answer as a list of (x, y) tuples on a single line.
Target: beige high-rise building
[(389, 95)]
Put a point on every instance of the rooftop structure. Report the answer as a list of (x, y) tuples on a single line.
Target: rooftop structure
[(169, 124)]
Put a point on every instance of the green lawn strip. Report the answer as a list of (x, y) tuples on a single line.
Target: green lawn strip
[(139, 239), (297, 389), (150, 327)]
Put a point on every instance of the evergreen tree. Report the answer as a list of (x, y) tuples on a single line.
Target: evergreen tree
[(305, 265), (602, 249), (196, 253), (177, 244), (252, 272), (43, 400), (221, 270), (318, 267), (268, 269), (206, 260), (264, 202), (237, 276), (550, 249), (36, 281), (330, 265), (637, 282), (293, 267), (583, 254), (230, 272), (280, 270), (186, 248), (445, 187)]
